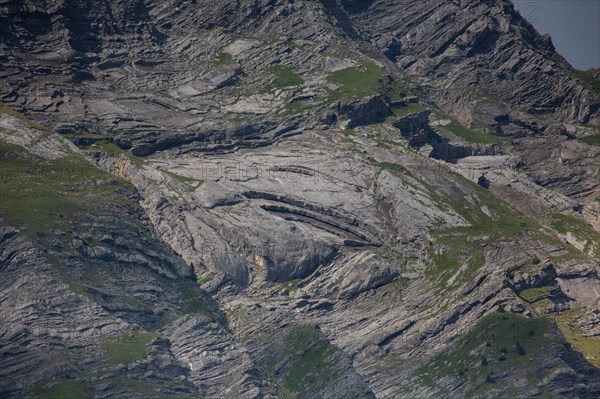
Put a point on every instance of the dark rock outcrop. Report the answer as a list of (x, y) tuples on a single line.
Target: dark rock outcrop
[(362, 112)]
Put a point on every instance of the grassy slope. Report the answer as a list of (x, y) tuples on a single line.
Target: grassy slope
[(461, 249), (55, 198), (497, 343), (310, 361), (127, 348), (40, 194), (356, 83), (9, 111), (464, 245), (284, 77)]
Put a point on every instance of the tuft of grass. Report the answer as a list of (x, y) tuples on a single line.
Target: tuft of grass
[(472, 136), (284, 77), (128, 347), (223, 58), (393, 167), (185, 179), (357, 82)]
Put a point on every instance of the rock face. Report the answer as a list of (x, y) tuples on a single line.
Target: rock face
[(136, 69), (473, 53), (359, 112), (251, 199), (452, 152), (415, 127)]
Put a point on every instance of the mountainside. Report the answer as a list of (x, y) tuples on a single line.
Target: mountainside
[(309, 199)]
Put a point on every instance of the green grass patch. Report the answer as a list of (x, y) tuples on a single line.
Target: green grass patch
[(206, 278), (310, 360), (192, 301), (393, 291), (462, 246), (292, 285), (295, 108), (457, 255), (382, 143), (75, 285), (134, 385), (284, 77), (63, 389), (107, 146), (408, 109), (389, 364), (357, 82), (480, 94), (591, 140), (472, 136), (570, 254), (504, 223), (223, 58), (309, 367), (531, 265), (393, 167), (533, 295), (128, 347), (394, 89), (94, 136)]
